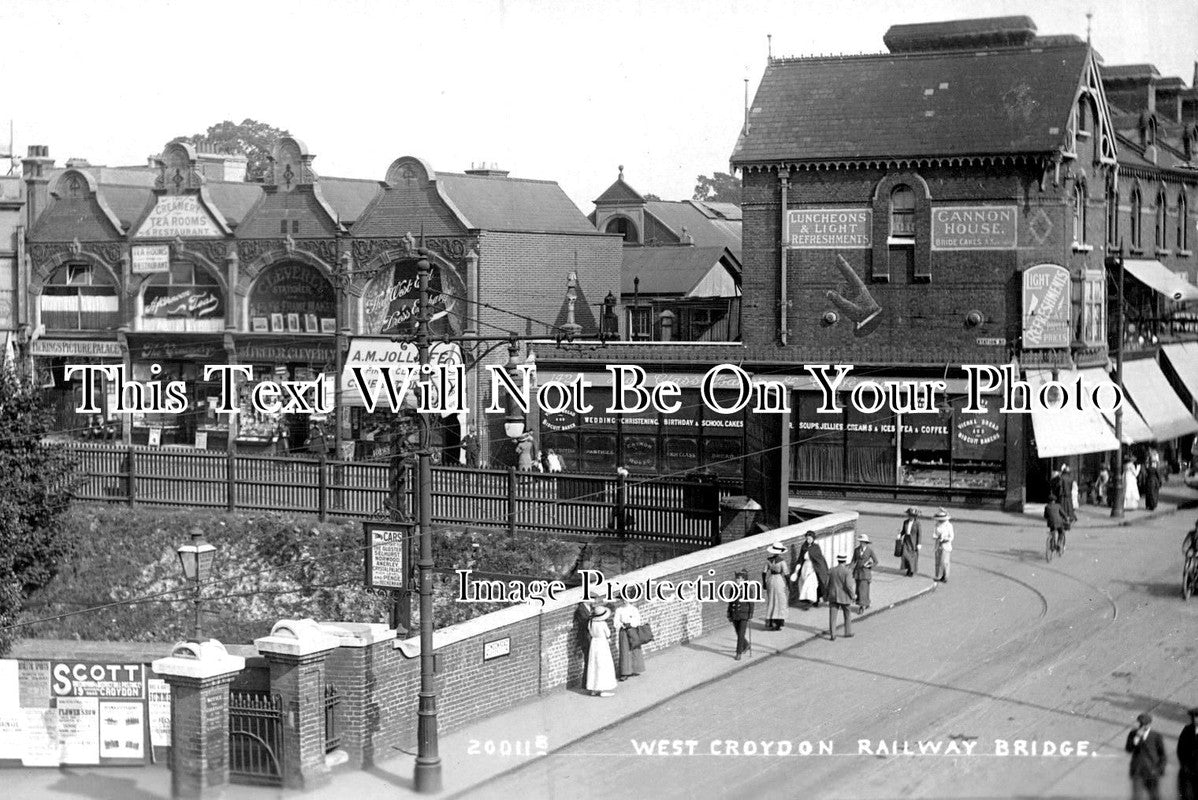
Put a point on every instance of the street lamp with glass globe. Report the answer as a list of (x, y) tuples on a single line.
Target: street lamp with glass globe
[(196, 558)]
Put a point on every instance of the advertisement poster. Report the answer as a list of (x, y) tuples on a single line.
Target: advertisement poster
[(30, 735), (79, 730), (10, 689), (34, 679), (159, 692), (1045, 307), (122, 730)]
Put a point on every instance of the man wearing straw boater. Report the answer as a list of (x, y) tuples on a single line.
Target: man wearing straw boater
[(944, 536), (840, 595)]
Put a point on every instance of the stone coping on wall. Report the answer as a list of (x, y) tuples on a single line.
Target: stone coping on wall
[(698, 560)]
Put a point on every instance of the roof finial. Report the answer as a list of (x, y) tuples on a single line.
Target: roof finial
[(621, 172), (1089, 18)]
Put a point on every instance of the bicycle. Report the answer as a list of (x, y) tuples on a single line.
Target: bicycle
[(1189, 576), (1053, 544)]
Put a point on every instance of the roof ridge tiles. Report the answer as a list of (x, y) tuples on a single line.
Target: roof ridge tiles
[(958, 52)]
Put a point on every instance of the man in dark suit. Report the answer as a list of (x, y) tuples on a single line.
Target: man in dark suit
[(1187, 759), (1054, 515), (739, 614), (840, 595), (864, 561), (1147, 750)]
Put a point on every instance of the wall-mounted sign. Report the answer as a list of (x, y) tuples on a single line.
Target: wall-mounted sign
[(151, 258), (76, 347), (370, 355), (974, 228), (97, 679), (991, 341), (292, 289), (390, 306), (497, 649), (387, 549), (829, 228), (179, 215), (1045, 307), (191, 303)]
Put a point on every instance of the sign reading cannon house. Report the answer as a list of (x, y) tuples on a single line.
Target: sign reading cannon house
[(829, 228), (178, 216), (974, 228), (1045, 307)]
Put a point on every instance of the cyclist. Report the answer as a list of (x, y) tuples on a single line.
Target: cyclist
[(1058, 523), (1189, 545)]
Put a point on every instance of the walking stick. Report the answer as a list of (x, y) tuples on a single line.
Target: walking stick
[(749, 630)]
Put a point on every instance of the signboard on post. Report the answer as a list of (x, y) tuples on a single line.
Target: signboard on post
[(829, 228), (388, 547), (1045, 307)]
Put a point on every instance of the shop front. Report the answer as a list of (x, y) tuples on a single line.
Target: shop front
[(51, 357)]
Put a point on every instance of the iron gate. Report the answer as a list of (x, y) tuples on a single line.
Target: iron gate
[(255, 738)]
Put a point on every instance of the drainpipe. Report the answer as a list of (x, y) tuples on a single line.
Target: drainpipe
[(783, 302)]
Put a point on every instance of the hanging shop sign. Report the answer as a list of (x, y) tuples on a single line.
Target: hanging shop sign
[(148, 259), (829, 228), (974, 228), (392, 307), (1045, 307), (180, 216), (189, 303), (388, 547), (76, 347), (292, 289)]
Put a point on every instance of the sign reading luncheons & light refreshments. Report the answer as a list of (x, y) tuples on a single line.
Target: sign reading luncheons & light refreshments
[(974, 228), (1045, 307), (829, 228)]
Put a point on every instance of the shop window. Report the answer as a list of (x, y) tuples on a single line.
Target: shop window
[(80, 297), (1079, 212), (1094, 311), (624, 227), (292, 298), (926, 454), (1137, 230), (187, 298), (1162, 210), (1183, 226), (818, 442)]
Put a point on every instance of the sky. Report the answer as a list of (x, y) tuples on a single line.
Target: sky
[(564, 91)]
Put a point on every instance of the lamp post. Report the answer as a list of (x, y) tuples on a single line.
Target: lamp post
[(513, 420), (196, 559), (1117, 472)]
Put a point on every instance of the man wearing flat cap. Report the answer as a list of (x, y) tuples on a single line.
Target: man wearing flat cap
[(840, 595), (1147, 750), (863, 570), (1187, 759)]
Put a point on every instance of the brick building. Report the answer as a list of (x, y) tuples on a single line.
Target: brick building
[(12, 249), (183, 263), (941, 205)]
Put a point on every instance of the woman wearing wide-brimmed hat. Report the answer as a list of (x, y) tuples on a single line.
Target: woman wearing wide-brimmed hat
[(601, 670), (1131, 484), (628, 617), (777, 595), (864, 561), (907, 546), (944, 535)]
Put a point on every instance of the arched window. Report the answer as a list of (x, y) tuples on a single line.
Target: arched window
[(1162, 206), (80, 297), (185, 298), (1112, 212), (1137, 226), (1183, 224), (902, 213), (1079, 212), (624, 227), (1150, 131), (1083, 114)]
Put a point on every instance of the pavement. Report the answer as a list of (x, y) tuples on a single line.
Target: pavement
[(524, 743)]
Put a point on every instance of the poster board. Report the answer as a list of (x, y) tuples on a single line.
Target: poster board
[(119, 693)]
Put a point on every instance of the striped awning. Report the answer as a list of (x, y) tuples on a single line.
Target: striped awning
[(1184, 360), (1135, 429), (1156, 401), (1068, 431)]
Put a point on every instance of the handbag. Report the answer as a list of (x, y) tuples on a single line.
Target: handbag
[(898, 546), (645, 632), (634, 637)]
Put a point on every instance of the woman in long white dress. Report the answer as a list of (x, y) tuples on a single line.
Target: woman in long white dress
[(601, 670), (1131, 488), (808, 582)]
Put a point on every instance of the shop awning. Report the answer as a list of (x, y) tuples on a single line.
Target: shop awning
[(1156, 401), (1068, 431), (1184, 359), (1160, 278), (1135, 429)]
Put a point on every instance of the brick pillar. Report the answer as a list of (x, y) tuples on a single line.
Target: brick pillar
[(296, 651), (354, 669), (199, 675)]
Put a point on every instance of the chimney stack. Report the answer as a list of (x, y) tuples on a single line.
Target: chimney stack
[(35, 169)]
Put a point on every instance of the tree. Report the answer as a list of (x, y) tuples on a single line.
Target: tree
[(652, 197), (255, 140), (720, 188), (36, 481)]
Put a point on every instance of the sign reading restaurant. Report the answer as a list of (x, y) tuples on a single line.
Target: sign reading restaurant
[(151, 258), (829, 228), (974, 228), (178, 216), (1045, 306)]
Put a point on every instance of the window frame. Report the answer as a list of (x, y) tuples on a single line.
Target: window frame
[(70, 286)]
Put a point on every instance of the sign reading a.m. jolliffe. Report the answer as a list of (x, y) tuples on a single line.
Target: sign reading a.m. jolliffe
[(974, 228), (829, 228)]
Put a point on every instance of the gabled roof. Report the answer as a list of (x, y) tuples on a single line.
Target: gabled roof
[(234, 198), (705, 230), (619, 193), (668, 270), (498, 203), (993, 102), (129, 203)]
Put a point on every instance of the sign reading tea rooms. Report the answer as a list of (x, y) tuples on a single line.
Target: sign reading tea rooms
[(180, 216), (829, 228)]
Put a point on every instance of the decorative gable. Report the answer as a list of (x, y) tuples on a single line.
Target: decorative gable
[(290, 165), (177, 171), (1103, 128)]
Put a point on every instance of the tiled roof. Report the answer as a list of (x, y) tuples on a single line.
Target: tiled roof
[(1124, 71), (671, 269), (348, 196), (234, 199), (1013, 100), (491, 202), (705, 231), (713, 210), (619, 193), (127, 202)]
